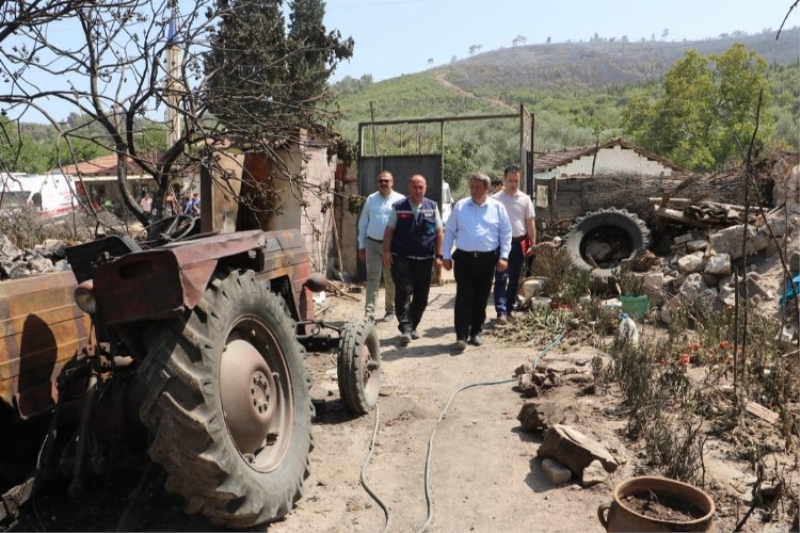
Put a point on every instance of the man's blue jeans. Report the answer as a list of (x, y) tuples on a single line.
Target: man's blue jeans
[(506, 284)]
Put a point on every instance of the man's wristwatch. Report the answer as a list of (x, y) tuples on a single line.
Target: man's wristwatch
[(439, 256), (504, 259)]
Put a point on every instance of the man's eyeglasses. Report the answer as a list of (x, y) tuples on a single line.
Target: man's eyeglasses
[(384, 181)]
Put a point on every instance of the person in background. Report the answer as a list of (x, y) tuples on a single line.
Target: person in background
[(497, 185), (192, 205), (481, 231), (412, 243), (371, 227), (172, 206), (146, 203), (523, 236)]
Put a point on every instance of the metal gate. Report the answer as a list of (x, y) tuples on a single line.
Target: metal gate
[(430, 163)]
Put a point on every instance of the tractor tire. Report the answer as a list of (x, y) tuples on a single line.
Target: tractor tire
[(359, 366), (228, 404), (624, 232)]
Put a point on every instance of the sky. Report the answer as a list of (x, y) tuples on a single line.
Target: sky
[(394, 37)]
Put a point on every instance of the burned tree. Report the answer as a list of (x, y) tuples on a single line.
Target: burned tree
[(120, 63)]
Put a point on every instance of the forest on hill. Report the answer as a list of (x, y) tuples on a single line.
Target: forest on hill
[(577, 92)]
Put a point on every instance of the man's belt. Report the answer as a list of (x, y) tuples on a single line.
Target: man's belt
[(519, 239), (375, 240), (476, 254)]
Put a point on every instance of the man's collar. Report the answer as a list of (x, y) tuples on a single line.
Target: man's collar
[(485, 200)]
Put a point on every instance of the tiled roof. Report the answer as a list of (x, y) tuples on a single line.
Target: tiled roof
[(101, 166), (547, 162)]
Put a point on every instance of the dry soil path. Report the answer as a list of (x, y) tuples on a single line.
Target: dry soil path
[(482, 476), (442, 81)]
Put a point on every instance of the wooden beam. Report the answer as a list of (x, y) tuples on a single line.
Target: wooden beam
[(677, 216)]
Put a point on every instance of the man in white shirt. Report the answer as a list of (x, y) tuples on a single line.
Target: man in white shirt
[(480, 229), (146, 204), (523, 236), (371, 226)]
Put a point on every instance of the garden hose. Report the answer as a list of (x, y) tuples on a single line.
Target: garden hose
[(429, 458)]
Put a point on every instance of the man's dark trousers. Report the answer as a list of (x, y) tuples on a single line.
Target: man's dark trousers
[(412, 281), (473, 273), (506, 284)]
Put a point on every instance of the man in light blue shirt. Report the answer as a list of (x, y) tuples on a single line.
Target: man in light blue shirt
[(371, 226), (480, 229)]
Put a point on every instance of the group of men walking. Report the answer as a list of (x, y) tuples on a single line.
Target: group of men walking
[(485, 239)]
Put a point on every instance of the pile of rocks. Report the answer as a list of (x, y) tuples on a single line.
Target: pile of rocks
[(702, 263), (43, 258)]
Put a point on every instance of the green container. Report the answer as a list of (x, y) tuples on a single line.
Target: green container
[(636, 306)]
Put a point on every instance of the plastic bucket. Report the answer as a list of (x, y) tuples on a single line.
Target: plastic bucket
[(636, 306)]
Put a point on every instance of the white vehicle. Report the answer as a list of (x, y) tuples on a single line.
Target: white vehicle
[(447, 202), (50, 194)]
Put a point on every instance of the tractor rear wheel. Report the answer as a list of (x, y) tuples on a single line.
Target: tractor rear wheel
[(228, 404)]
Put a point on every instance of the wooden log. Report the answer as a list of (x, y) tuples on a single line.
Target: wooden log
[(677, 216), (674, 202), (762, 412), (685, 202)]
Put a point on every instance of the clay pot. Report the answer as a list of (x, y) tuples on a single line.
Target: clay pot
[(622, 518)]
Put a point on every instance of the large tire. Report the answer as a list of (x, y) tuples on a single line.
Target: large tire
[(359, 366), (228, 404), (623, 231)]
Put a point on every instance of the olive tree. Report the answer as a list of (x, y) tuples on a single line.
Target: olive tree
[(706, 108)]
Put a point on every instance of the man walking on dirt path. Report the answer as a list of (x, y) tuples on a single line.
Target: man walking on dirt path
[(523, 237), (371, 226), (412, 243), (481, 231)]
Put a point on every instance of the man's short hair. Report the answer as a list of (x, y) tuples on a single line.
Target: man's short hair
[(386, 173), (511, 169), (482, 177), (497, 182)]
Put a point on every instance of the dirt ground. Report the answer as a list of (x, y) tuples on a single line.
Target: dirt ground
[(483, 472)]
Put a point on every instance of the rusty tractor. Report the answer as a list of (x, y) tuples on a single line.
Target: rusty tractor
[(190, 345)]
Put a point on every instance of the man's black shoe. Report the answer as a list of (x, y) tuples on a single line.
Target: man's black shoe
[(476, 340)]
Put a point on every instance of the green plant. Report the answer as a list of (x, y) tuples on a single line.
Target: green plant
[(577, 284), (630, 283), (556, 267)]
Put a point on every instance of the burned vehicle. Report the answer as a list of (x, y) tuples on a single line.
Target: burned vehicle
[(190, 345)]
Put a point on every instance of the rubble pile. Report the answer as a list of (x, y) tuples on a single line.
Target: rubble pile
[(700, 268), (43, 258)]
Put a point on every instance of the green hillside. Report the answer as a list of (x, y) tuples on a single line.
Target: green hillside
[(576, 91)]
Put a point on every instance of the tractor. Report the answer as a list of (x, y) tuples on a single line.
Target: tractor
[(183, 341)]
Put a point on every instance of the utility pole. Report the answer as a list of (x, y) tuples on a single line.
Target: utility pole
[(173, 86)]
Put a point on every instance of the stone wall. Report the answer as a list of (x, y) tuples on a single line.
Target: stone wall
[(307, 197)]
